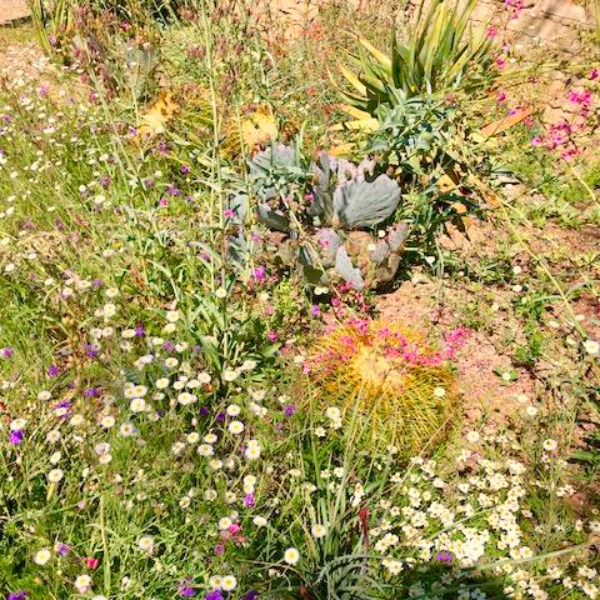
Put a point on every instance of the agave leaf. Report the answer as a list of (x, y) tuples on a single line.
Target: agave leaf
[(353, 80), (354, 112), (370, 124), (383, 59), (431, 46), (401, 60)]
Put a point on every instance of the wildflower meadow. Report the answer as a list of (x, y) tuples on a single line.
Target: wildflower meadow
[(299, 300)]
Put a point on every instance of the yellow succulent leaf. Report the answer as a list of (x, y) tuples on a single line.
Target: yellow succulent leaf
[(445, 184), (257, 128), (354, 112), (459, 207), (341, 150), (367, 125), (154, 120), (354, 80), (383, 59)]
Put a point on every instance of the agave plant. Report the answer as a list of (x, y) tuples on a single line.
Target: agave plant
[(442, 52)]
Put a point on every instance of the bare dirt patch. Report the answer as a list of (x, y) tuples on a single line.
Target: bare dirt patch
[(486, 395), (12, 11)]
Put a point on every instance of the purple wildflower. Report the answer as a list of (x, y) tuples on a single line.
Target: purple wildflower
[(445, 557), (16, 437), (168, 346), (214, 595), (92, 351), (251, 595), (204, 411), (249, 500), (289, 410), (20, 595), (97, 283), (185, 589), (92, 392), (185, 170), (62, 549), (6, 352), (53, 371), (140, 331)]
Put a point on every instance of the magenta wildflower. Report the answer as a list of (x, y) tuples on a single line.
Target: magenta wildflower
[(249, 500), (91, 563), (260, 274), (444, 557), (272, 336), (21, 595), (6, 352)]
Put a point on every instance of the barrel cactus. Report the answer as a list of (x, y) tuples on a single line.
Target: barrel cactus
[(390, 378)]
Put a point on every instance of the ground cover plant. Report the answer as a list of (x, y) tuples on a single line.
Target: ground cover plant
[(280, 323)]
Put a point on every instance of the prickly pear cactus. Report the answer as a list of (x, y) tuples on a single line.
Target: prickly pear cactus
[(328, 242), (322, 204), (348, 272), (275, 155), (362, 204), (397, 237), (271, 219), (361, 200)]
